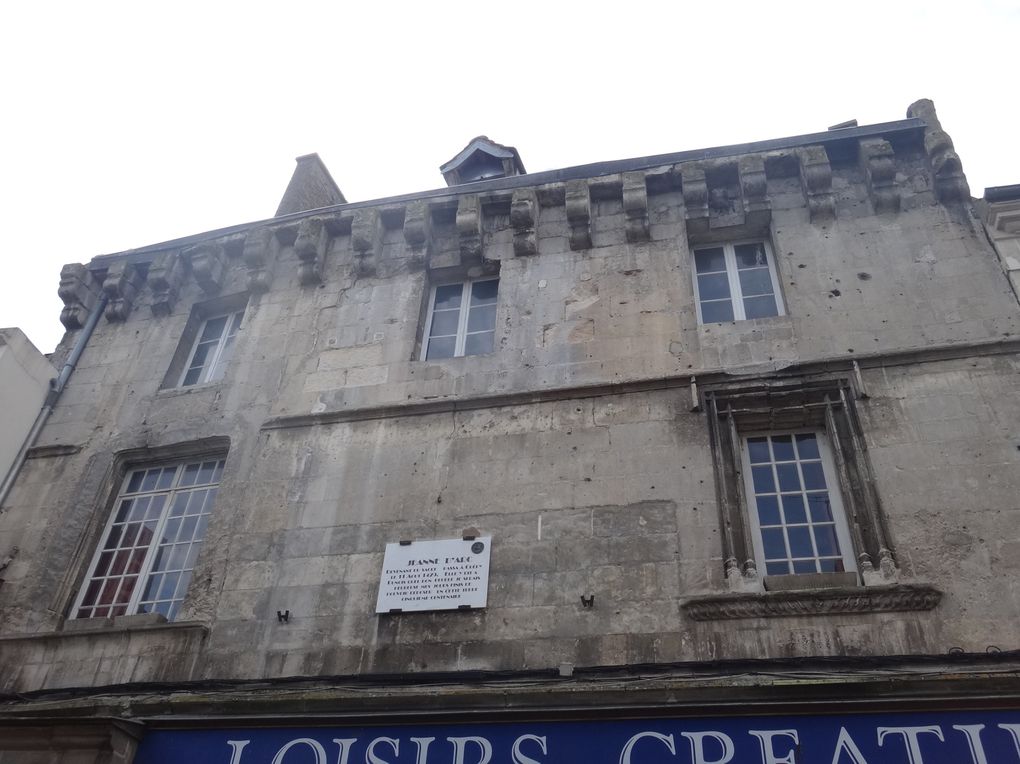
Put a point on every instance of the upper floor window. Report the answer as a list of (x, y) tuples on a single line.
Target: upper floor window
[(152, 539), (213, 347), (461, 319), (734, 282)]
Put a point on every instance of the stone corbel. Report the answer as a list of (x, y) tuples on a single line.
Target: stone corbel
[(257, 256), (695, 189), (418, 230), (165, 276), (950, 182), (578, 204), (121, 287), (524, 221), (207, 266), (879, 165), (366, 239), (79, 292), (469, 226), (635, 206), (816, 182), (754, 188), (310, 248)]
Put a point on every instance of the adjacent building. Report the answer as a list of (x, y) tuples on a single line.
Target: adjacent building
[(708, 457)]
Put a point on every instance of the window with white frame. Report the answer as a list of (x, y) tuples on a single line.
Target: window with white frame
[(213, 347), (795, 509), (148, 550), (734, 282), (461, 319)]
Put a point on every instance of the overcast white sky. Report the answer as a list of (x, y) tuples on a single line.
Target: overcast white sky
[(132, 123)]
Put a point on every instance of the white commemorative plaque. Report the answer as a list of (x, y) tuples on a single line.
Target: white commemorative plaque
[(440, 574)]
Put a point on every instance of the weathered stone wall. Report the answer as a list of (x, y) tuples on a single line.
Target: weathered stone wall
[(341, 440)]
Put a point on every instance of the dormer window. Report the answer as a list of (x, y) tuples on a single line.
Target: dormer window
[(482, 159)]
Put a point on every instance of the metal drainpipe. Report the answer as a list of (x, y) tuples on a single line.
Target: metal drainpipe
[(57, 385)]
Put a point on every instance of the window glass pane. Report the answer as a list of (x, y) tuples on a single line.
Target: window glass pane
[(807, 446), (191, 378), (814, 478), (441, 348), (444, 322), (476, 344), (825, 538), (793, 508), (805, 566), (716, 312), (775, 544), (760, 307), (190, 473), (205, 473), (758, 450), (166, 478), (768, 510), (484, 292), (763, 482), (750, 255), (800, 542), (789, 480), (777, 568), (782, 447), (213, 329), (715, 286), (755, 281), (818, 504), (135, 481), (710, 260), (202, 354), (221, 363), (448, 296), (150, 479), (482, 319)]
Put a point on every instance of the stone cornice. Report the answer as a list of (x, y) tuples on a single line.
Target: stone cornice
[(812, 602)]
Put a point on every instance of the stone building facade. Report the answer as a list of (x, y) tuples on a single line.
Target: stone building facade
[(742, 427)]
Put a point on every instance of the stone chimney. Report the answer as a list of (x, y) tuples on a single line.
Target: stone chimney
[(311, 187)]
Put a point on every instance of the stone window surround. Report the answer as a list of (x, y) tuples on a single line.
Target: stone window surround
[(486, 271), (735, 289), (214, 447), (200, 313)]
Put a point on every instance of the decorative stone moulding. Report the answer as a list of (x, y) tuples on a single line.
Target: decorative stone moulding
[(366, 239), (208, 266), (524, 209), (121, 286), (310, 248), (879, 165), (165, 277), (79, 291), (578, 206), (950, 182), (258, 258), (418, 230), (811, 602), (469, 226), (816, 182), (635, 206)]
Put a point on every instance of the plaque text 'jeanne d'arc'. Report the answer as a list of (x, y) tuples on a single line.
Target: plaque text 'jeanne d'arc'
[(441, 574)]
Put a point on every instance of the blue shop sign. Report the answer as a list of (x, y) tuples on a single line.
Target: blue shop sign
[(972, 737)]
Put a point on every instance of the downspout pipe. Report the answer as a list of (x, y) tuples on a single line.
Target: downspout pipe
[(57, 385)]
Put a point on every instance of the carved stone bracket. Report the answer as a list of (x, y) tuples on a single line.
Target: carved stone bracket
[(469, 226), (695, 189), (950, 182), (418, 230), (310, 248), (258, 257), (811, 602), (879, 165), (121, 286), (366, 239), (165, 276), (578, 204), (79, 292), (207, 266), (816, 182), (524, 221), (635, 206), (754, 188)]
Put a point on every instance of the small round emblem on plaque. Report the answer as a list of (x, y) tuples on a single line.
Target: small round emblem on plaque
[(477, 547)]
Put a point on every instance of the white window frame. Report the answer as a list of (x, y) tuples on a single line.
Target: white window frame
[(213, 363), (842, 526), (145, 569), (462, 318), (733, 277)]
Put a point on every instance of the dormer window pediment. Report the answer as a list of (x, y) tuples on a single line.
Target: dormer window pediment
[(482, 159)]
